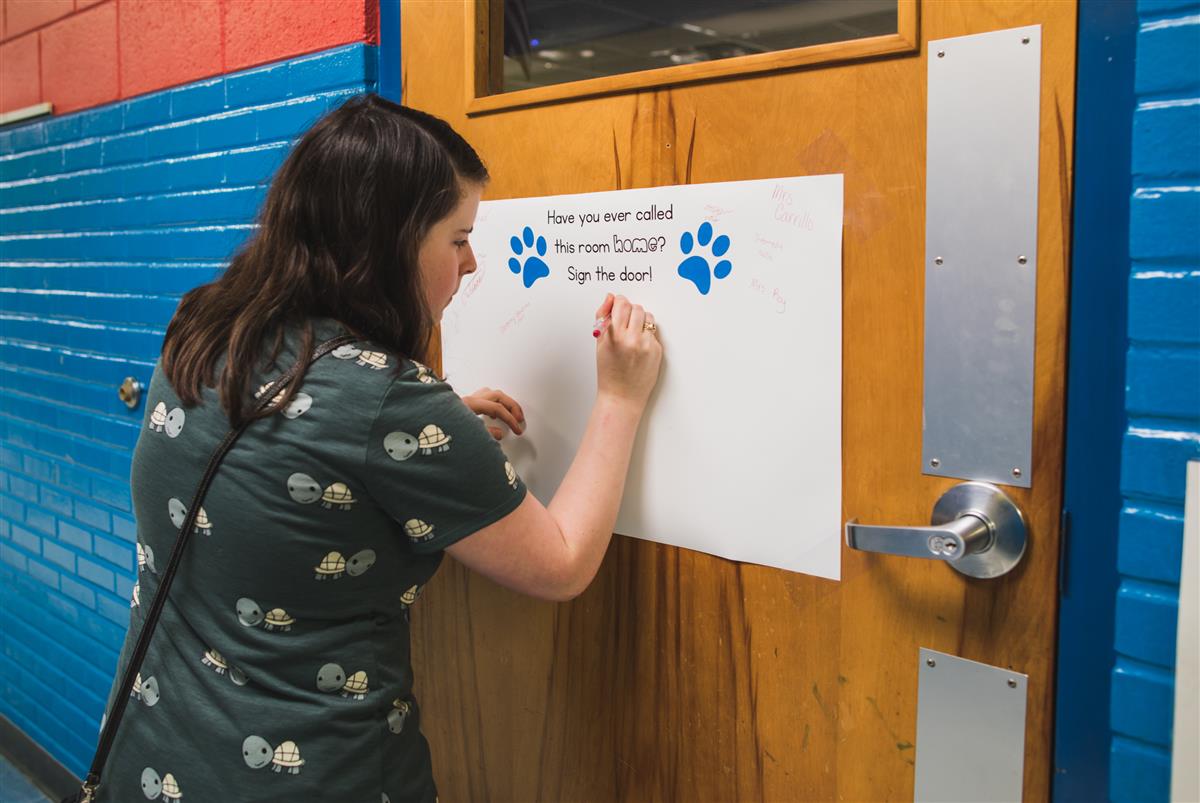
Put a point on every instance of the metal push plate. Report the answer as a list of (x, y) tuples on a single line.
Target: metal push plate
[(981, 255), (970, 730)]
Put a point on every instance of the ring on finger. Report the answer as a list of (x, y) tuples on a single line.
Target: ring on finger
[(647, 326)]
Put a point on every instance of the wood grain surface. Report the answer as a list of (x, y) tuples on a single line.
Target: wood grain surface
[(678, 676)]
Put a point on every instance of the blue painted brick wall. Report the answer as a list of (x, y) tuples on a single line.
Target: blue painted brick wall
[(107, 217), (1162, 394)]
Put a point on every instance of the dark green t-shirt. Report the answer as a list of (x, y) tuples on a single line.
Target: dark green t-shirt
[(280, 668)]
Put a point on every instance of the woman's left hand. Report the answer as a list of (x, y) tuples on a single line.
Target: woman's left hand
[(498, 405)]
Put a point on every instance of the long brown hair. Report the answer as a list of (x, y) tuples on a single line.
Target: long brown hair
[(338, 237)]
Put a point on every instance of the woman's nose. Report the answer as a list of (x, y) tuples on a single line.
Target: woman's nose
[(468, 265)]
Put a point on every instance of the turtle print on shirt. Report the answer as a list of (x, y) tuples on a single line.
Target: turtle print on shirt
[(145, 690), (376, 360), (337, 497), (152, 783), (418, 530), (250, 614), (396, 717), (300, 404), (331, 567), (178, 513), (400, 446), (304, 489), (145, 558), (169, 422), (433, 440), (216, 661), (285, 635)]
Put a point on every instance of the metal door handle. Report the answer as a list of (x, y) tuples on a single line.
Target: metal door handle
[(951, 541), (975, 528)]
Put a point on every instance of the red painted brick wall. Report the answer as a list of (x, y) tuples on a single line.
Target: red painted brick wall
[(81, 53)]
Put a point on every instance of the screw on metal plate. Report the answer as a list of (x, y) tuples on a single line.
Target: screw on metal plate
[(937, 260), (1024, 40), (935, 462), (1012, 684), (930, 662), (1021, 260), (941, 54), (1016, 472)]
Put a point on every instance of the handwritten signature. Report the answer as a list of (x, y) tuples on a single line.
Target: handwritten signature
[(801, 219), (514, 321), (712, 212), (770, 292), (766, 247), (473, 285)]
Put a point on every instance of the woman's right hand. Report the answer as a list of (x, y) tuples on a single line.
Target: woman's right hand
[(553, 552), (628, 355)]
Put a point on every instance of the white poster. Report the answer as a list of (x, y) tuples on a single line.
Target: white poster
[(739, 454)]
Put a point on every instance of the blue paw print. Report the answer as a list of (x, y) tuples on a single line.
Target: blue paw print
[(534, 268), (695, 268)]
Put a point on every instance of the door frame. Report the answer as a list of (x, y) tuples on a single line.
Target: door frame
[(1096, 417), (388, 75)]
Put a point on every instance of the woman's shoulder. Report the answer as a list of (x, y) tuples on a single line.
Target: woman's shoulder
[(366, 353), (374, 368), (364, 378), (367, 370), (375, 359)]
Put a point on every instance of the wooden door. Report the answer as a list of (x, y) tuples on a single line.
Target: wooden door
[(679, 676)]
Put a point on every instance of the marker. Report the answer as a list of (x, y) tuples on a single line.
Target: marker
[(599, 326)]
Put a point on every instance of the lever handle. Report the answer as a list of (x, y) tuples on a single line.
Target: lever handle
[(975, 528), (952, 541)]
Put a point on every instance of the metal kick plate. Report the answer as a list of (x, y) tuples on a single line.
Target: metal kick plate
[(981, 254), (970, 730)]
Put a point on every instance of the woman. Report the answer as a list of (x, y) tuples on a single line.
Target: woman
[(280, 668)]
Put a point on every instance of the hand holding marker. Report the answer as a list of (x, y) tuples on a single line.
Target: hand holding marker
[(602, 322), (628, 353)]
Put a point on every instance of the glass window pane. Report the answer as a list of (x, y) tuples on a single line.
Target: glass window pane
[(556, 41)]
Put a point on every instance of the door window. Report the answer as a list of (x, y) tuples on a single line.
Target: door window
[(537, 50), (556, 41)]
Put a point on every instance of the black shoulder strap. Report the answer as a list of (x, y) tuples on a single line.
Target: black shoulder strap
[(109, 731)]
